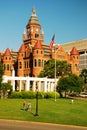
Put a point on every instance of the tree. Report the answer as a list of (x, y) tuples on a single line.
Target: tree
[(1, 73), (62, 69), (63, 85), (71, 84), (84, 76), (76, 83), (6, 88)]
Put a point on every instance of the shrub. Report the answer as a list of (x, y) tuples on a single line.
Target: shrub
[(16, 95), (28, 94), (51, 95), (32, 95)]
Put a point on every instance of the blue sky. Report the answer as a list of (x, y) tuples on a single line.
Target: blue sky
[(66, 18)]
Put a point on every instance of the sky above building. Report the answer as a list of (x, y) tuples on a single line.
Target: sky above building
[(66, 18)]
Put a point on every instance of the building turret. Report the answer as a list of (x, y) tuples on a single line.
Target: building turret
[(74, 59), (21, 55), (8, 62), (33, 30), (38, 58)]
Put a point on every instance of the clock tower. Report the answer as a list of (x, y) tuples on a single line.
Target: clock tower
[(33, 30)]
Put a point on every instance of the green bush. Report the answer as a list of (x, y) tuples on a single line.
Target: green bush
[(15, 95), (32, 95), (51, 95), (28, 94)]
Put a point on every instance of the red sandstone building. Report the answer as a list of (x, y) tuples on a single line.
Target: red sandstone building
[(30, 58)]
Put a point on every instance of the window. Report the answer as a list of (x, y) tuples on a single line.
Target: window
[(77, 57), (25, 64), (4, 66), (74, 57), (28, 36), (41, 52), (8, 67), (36, 35), (39, 62), (20, 65), (35, 63), (42, 63), (37, 51), (6, 58)]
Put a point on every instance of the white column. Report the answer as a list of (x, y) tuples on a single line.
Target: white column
[(52, 87), (49, 86), (5, 80), (13, 84), (45, 85), (13, 81), (13, 73), (27, 84), (39, 86), (20, 85)]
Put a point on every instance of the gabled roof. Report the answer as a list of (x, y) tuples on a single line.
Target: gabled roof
[(60, 48), (7, 52), (74, 51), (38, 45)]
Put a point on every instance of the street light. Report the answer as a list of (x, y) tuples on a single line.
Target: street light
[(36, 114)]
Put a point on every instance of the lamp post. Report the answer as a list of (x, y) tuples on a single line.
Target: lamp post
[(36, 114)]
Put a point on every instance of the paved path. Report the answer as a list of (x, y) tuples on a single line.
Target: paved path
[(23, 125)]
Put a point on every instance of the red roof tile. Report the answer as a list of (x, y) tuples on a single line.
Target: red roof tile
[(22, 48), (74, 51), (7, 52), (38, 45)]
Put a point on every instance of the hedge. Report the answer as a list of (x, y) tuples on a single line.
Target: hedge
[(32, 95)]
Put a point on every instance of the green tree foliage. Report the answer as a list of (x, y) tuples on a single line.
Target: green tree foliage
[(72, 83), (6, 88), (84, 76), (1, 73), (62, 69)]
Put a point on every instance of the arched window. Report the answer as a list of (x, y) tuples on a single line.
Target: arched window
[(39, 62), (37, 51), (36, 35), (35, 62), (8, 67), (4, 66), (20, 65)]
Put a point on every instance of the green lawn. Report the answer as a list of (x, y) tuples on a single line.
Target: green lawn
[(60, 112)]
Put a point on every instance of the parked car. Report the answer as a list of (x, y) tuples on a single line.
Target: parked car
[(84, 95)]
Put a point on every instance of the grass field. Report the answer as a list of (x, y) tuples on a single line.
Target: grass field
[(60, 112)]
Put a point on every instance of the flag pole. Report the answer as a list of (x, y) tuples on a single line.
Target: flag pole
[(52, 44), (55, 74), (55, 69)]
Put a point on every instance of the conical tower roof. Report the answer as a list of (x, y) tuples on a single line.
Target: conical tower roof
[(7, 52), (38, 45), (22, 48), (33, 19), (74, 51)]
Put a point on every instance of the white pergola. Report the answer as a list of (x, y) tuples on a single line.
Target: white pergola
[(48, 84)]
